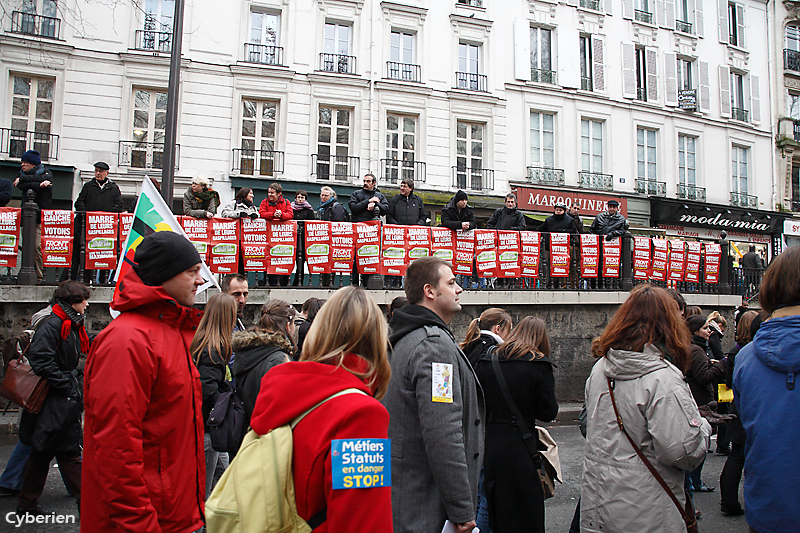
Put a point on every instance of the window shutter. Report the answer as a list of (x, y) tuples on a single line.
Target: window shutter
[(740, 25), (705, 87), (722, 7), (698, 18), (659, 14), (607, 6), (568, 58), (652, 75), (573, 3), (671, 78), (755, 100), (628, 71), (627, 9), (598, 67), (522, 49), (724, 92), (669, 14)]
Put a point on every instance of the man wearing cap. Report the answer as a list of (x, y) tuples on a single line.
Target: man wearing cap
[(99, 194), (143, 456), (457, 215), (559, 221), (34, 176), (610, 222)]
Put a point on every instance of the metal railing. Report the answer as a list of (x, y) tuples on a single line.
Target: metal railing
[(651, 187), (586, 84), (263, 54), (643, 16), (740, 199), (543, 76), (690, 192), (683, 26), (37, 25), (249, 162), (157, 41), (641, 94), (596, 180), (546, 175), (738, 113), (14, 143), (590, 4), (337, 63), (140, 154), (335, 167), (471, 3), (791, 60), (471, 82), (745, 281), (396, 170), (402, 71), (476, 179), (796, 130)]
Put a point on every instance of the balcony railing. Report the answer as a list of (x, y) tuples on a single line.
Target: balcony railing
[(546, 176), (796, 130), (651, 187), (596, 180), (643, 16), (791, 60), (157, 41), (337, 63), (591, 4), (471, 3), (476, 179), (263, 53), (471, 82), (641, 94), (37, 25), (402, 71), (586, 84), (690, 192), (257, 162), (396, 170), (740, 199), (14, 143), (543, 76), (335, 167), (139, 154), (739, 114), (683, 26)]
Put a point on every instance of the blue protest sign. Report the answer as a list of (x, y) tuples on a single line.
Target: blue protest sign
[(361, 463)]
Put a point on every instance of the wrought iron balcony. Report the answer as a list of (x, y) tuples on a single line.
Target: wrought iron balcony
[(791, 60), (596, 180), (402, 71), (796, 130), (651, 187), (263, 53), (37, 25), (690, 192), (249, 162), (590, 4), (641, 94), (740, 199), (335, 167), (471, 82), (546, 176), (140, 154), (643, 16), (14, 143), (683, 26), (476, 179), (543, 76), (586, 84), (739, 114), (396, 170), (156, 41), (337, 63), (471, 3)]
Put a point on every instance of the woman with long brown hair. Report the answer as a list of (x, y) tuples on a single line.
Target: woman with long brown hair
[(641, 354), (516, 501), (488, 330)]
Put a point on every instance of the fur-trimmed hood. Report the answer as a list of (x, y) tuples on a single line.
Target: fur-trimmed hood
[(252, 347)]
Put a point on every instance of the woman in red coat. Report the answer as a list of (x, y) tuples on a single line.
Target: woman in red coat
[(345, 348), (276, 208)]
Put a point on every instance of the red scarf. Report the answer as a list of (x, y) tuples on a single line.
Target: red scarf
[(67, 325)]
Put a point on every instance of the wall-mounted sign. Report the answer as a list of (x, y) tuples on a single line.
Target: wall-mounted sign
[(543, 200), (687, 100), (701, 215)]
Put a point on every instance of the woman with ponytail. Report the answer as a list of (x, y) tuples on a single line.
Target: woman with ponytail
[(489, 329)]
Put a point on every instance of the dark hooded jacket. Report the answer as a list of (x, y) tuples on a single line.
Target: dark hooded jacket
[(256, 353), (96, 197), (5, 192), (31, 180), (558, 224), (702, 374), (359, 201), (452, 217), (611, 225), (212, 378), (507, 219), (407, 211)]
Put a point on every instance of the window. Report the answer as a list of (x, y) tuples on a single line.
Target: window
[(791, 54), (739, 170), (264, 39), (737, 97), (543, 139), (149, 121), (156, 33), (471, 3), (469, 155), (685, 75), (401, 57), (586, 62), (646, 154), (333, 144), (401, 145), (591, 145), (31, 116), (641, 75), (541, 64), (469, 68), (336, 56), (793, 106), (683, 18), (735, 24), (258, 137), (687, 162), (642, 11), (37, 17)]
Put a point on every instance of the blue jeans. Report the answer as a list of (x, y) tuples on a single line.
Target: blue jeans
[(482, 519), (12, 475)]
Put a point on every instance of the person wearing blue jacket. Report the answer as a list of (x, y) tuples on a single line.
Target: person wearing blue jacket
[(767, 398)]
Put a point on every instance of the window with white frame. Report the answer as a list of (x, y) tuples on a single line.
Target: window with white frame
[(264, 39), (156, 33), (543, 139), (791, 54), (541, 60), (735, 24), (337, 44), (149, 122), (738, 107), (31, 116), (687, 160), (469, 67), (257, 154), (641, 74), (646, 164), (402, 56), (469, 155), (684, 13), (643, 11), (586, 62), (793, 106), (591, 146), (401, 148), (685, 81), (333, 159), (37, 17), (739, 157)]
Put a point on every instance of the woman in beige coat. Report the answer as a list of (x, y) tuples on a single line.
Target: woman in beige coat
[(643, 351)]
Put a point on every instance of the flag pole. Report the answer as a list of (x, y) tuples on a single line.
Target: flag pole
[(170, 130)]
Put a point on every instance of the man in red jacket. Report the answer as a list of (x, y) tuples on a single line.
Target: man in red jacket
[(276, 208), (143, 457)]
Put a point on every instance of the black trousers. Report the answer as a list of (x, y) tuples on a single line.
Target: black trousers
[(35, 476), (731, 477)]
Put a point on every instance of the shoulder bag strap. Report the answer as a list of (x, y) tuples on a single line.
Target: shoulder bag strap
[(527, 436)]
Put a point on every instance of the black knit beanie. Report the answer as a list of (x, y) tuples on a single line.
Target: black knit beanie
[(460, 195), (162, 256)]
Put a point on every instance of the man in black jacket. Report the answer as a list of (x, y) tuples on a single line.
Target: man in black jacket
[(457, 215), (368, 203), (5, 192), (34, 176), (610, 222), (406, 209), (559, 221), (507, 217)]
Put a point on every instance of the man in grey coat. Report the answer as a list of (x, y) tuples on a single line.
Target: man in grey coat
[(436, 408)]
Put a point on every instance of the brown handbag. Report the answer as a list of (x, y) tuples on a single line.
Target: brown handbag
[(23, 387)]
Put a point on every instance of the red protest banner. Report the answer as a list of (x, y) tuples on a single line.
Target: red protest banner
[(590, 255), (282, 239), (343, 245), (677, 260), (255, 244), (530, 252), (486, 253), (713, 257), (368, 246), (224, 233), (443, 243), (57, 237), (693, 261), (10, 224), (658, 268), (197, 231), (419, 242), (612, 254), (393, 250), (465, 252), (641, 257), (508, 250), (125, 222), (559, 255), (100, 231), (318, 246)]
